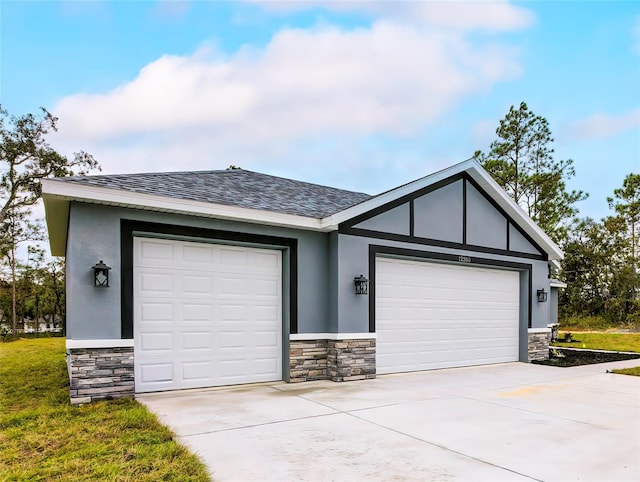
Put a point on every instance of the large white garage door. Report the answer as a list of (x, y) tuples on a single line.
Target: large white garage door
[(205, 315), (431, 315)]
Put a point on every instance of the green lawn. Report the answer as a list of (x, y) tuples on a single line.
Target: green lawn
[(635, 371), (603, 341), (42, 437)]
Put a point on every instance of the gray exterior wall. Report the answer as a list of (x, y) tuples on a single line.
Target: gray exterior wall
[(517, 242), (394, 220), (485, 225), (327, 262), (94, 234), (553, 305), (438, 215), (353, 311)]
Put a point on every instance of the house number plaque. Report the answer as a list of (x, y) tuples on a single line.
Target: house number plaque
[(464, 259)]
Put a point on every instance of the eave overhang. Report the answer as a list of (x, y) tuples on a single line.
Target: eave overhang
[(57, 195)]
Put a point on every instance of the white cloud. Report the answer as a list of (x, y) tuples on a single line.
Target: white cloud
[(496, 15), (602, 125), (389, 79)]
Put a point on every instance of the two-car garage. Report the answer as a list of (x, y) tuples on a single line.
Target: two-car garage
[(211, 314), (435, 315)]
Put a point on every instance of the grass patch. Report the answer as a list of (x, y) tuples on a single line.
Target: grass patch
[(602, 341), (635, 371), (588, 323), (42, 437)]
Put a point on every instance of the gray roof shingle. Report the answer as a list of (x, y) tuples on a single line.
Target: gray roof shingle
[(234, 187)]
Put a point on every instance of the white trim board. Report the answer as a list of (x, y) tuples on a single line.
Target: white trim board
[(332, 336), (539, 330), (114, 343)]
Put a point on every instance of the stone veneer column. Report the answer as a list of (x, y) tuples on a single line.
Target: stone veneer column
[(100, 374), (539, 339), (307, 360), (351, 359)]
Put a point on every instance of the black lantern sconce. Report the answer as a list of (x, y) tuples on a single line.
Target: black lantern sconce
[(362, 285), (100, 275), (542, 295)]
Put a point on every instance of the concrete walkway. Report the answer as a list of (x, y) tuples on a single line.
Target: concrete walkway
[(499, 422)]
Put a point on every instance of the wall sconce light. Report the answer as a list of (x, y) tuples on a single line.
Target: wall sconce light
[(100, 274), (542, 295), (362, 285)]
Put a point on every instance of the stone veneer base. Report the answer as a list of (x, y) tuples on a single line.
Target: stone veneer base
[(538, 348), (307, 360), (336, 360), (100, 374), (351, 359)]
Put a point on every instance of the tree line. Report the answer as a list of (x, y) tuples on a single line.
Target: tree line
[(600, 265), (601, 256)]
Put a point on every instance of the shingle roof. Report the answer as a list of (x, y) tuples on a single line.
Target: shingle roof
[(234, 187)]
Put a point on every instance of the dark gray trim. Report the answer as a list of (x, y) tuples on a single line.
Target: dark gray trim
[(464, 211), (411, 218), (128, 227), (436, 242), (375, 250), (545, 256), (397, 202), (347, 227)]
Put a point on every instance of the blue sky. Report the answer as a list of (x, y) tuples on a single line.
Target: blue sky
[(359, 95)]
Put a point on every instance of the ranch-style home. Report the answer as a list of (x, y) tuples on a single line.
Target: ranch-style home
[(200, 279)]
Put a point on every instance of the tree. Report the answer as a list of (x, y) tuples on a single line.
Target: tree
[(600, 264), (27, 158), (17, 229), (626, 203), (521, 161)]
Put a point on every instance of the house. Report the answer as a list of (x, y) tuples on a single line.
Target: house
[(230, 277)]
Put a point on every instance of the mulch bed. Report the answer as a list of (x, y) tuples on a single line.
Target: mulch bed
[(574, 357)]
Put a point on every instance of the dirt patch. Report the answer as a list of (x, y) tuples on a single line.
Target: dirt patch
[(573, 358)]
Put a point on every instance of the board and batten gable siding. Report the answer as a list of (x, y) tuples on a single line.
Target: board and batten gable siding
[(95, 234), (454, 213)]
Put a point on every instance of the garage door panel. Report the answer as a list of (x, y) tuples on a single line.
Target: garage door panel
[(193, 312), (197, 340), (194, 254), (432, 315), (150, 251), (151, 281), (205, 314), (157, 341)]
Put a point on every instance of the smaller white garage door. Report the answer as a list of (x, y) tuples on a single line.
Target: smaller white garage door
[(205, 315), (432, 315)]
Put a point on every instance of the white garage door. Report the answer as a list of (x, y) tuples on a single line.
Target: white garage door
[(205, 315), (431, 315)]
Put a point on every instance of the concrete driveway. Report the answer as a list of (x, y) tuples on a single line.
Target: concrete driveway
[(499, 422)]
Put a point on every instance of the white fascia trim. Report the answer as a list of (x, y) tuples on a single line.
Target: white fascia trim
[(118, 197), (554, 283), (539, 330), (331, 336), (115, 343)]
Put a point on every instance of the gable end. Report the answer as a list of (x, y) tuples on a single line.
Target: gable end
[(455, 213)]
